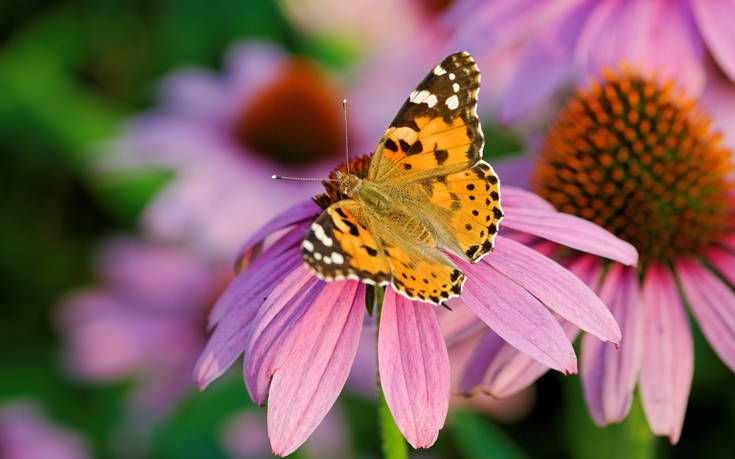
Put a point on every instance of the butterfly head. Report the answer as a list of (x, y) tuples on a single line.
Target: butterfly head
[(348, 183)]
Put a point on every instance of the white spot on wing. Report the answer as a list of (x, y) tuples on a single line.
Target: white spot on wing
[(431, 100), (452, 102), (321, 235), (451, 76), (418, 97), (439, 70), (308, 246), (455, 87), (338, 258)]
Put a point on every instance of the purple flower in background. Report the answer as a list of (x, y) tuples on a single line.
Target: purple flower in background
[(225, 135), (561, 41), (146, 322), (300, 335), (641, 160), (26, 433)]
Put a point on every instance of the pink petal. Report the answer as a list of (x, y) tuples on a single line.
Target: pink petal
[(516, 315), (275, 328), (570, 231), (414, 368), (724, 261), (242, 301), (555, 287), (261, 275), (668, 354), (713, 304), (657, 36), (499, 369), (715, 20), (520, 198), (307, 384), (295, 214), (587, 267), (608, 373), (546, 65)]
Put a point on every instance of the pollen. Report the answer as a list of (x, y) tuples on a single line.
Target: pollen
[(358, 166), (642, 161)]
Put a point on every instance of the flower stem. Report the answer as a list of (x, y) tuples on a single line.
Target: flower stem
[(392, 442)]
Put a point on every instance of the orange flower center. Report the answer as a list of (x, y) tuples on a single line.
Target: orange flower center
[(640, 161), (296, 119)]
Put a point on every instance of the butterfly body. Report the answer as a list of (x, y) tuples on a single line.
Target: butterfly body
[(426, 189)]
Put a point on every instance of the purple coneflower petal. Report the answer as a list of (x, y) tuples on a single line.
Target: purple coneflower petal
[(518, 197), (498, 369), (264, 273), (307, 384), (668, 355), (275, 328), (713, 304), (555, 287), (240, 304), (414, 368), (570, 231), (546, 65), (716, 21), (724, 261), (295, 214), (516, 315), (609, 374)]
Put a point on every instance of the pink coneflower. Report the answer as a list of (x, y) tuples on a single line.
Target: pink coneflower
[(300, 334), (224, 135), (642, 161), (562, 41), (26, 433), (145, 322)]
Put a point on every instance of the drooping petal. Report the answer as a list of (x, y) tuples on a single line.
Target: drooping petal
[(518, 197), (546, 65), (715, 20), (570, 231), (305, 387), (608, 373), (275, 328), (261, 276), (499, 369), (724, 261), (293, 215), (668, 354), (516, 315), (713, 304), (240, 303), (414, 368), (555, 287)]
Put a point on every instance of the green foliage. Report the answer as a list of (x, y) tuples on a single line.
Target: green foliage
[(477, 438)]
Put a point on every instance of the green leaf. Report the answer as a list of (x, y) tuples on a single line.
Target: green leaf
[(393, 443), (631, 439), (476, 437)]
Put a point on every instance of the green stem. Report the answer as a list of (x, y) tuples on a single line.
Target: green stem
[(392, 442)]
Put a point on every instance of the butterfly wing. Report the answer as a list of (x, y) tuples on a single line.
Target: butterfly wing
[(436, 131), (340, 245)]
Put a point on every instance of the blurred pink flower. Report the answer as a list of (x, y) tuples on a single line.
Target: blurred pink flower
[(672, 195), (567, 41), (300, 334), (145, 322), (225, 135), (26, 433)]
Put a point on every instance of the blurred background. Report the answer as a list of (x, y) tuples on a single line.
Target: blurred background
[(137, 140)]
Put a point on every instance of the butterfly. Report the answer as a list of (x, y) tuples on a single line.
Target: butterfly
[(427, 188)]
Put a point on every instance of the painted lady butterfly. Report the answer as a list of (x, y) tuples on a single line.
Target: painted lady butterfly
[(426, 188)]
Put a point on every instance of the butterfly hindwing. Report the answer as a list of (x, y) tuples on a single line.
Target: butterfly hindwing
[(437, 129), (340, 245)]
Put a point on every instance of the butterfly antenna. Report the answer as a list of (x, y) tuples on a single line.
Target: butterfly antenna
[(347, 141), (302, 179)]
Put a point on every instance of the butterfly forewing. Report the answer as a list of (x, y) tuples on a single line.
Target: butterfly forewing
[(437, 129)]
